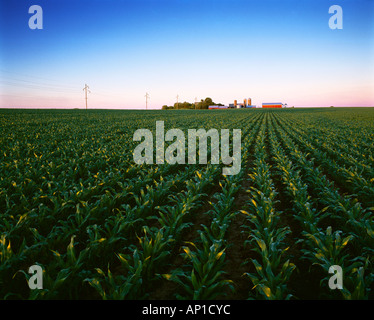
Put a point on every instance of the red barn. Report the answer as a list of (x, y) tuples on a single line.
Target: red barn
[(272, 105)]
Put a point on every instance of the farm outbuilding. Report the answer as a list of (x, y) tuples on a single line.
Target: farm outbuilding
[(218, 107), (272, 105)]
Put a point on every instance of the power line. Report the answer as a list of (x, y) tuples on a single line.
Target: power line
[(36, 87), (30, 76), (20, 83), (39, 97), (15, 80)]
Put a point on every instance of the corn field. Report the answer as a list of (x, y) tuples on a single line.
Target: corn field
[(73, 201)]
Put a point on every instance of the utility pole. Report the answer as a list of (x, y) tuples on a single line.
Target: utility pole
[(195, 102), (177, 102), (146, 100), (86, 88)]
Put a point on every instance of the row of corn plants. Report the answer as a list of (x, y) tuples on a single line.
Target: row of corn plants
[(140, 263), (265, 237), (102, 215), (325, 248), (142, 266), (203, 275), (355, 149), (335, 146), (96, 238), (101, 227), (352, 177), (348, 210)]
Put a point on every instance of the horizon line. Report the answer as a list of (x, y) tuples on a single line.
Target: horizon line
[(150, 109)]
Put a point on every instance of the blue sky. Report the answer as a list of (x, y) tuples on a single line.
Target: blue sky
[(267, 50)]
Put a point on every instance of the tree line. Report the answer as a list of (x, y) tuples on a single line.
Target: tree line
[(202, 104)]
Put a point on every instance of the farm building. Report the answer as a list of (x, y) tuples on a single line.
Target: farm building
[(272, 105), (246, 104), (218, 107)]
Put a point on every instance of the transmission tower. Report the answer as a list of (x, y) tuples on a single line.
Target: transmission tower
[(177, 101), (146, 100), (86, 88)]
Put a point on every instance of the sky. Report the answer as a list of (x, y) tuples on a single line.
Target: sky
[(266, 50)]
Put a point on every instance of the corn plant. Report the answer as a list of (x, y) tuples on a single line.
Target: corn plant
[(153, 250), (269, 283), (120, 287), (358, 285), (173, 217), (5, 249), (328, 248), (52, 285), (204, 281)]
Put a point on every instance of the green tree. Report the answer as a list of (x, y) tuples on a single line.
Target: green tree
[(209, 102), (203, 104)]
